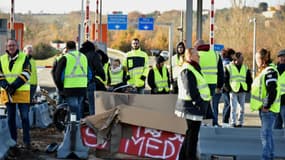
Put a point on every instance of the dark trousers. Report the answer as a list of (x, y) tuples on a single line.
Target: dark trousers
[(189, 146), (24, 113)]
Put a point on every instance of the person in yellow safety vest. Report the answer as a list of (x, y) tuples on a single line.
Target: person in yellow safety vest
[(265, 98), (101, 82), (280, 119), (212, 67), (237, 81), (158, 77), (15, 72), (177, 62), (192, 102), (72, 75), (28, 49), (136, 64), (117, 76)]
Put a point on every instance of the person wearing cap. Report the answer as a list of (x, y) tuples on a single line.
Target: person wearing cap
[(280, 119), (213, 70), (158, 77)]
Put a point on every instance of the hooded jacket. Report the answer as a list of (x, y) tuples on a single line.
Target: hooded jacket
[(94, 61)]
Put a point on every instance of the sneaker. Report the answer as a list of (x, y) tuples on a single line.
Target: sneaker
[(239, 126), (226, 125), (216, 126)]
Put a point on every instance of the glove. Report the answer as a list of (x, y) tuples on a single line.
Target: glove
[(142, 78), (11, 90)]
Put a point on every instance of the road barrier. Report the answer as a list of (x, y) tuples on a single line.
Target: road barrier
[(39, 116), (72, 143), (236, 143), (42, 115), (5, 138)]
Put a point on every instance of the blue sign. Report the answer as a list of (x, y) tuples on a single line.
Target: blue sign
[(218, 47), (146, 23), (117, 22)]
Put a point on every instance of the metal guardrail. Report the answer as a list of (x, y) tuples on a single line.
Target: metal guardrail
[(236, 143)]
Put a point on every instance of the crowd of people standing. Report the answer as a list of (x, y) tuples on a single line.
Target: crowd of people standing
[(199, 83)]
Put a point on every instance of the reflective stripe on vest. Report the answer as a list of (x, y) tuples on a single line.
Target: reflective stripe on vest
[(259, 92), (17, 69), (117, 77), (209, 62), (76, 70), (237, 78), (105, 68), (202, 85), (161, 81)]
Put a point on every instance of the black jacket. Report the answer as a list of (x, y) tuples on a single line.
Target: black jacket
[(281, 69), (271, 87), (94, 61), (58, 76)]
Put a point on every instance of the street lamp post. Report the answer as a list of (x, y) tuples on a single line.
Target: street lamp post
[(253, 20), (180, 28)]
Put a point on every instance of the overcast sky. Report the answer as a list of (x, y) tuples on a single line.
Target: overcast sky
[(144, 6)]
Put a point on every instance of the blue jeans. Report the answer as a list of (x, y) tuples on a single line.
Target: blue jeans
[(24, 113), (237, 99), (215, 103), (75, 105), (227, 109), (267, 122), (280, 119), (91, 88)]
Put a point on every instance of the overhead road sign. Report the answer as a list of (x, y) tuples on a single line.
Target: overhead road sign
[(117, 22), (218, 47), (146, 23)]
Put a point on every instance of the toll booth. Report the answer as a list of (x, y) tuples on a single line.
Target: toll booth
[(3, 35), (102, 37)]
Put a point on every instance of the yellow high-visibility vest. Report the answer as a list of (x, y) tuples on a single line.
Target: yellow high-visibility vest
[(259, 92)]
